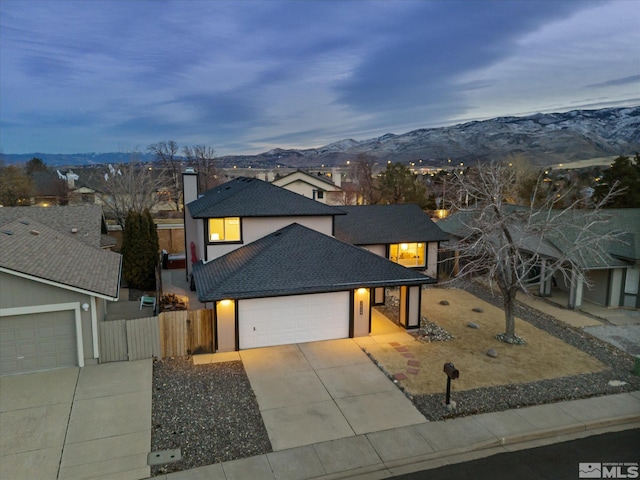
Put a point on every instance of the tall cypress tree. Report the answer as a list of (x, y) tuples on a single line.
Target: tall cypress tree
[(140, 250)]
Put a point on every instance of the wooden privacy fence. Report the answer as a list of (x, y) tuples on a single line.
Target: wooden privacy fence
[(135, 339), (171, 334), (186, 332)]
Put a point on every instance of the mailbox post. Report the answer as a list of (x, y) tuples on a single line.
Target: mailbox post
[(452, 373)]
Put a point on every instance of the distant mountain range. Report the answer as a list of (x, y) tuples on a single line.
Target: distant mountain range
[(543, 139)]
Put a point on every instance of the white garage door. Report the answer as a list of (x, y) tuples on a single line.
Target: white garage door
[(264, 322), (37, 341)]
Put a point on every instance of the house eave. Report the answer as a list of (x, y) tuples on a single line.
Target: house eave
[(65, 286), (245, 295)]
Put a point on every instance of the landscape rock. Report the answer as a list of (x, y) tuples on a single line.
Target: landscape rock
[(473, 325), (444, 302), (616, 383), (477, 310), (492, 353)]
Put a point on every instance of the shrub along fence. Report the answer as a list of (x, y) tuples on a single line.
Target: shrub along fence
[(170, 334)]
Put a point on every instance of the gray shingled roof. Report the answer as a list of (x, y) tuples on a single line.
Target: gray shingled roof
[(87, 219), (614, 253), (384, 224), (297, 260), (33, 249), (249, 197)]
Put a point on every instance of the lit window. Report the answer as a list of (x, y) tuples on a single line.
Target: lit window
[(224, 229), (407, 254)]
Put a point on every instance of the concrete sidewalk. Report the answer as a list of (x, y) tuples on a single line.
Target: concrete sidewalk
[(430, 445)]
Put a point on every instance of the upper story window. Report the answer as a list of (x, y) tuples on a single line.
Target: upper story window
[(225, 229), (408, 254)]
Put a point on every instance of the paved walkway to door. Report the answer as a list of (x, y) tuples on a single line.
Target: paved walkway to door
[(315, 392)]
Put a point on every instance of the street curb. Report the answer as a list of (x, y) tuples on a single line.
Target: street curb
[(478, 450)]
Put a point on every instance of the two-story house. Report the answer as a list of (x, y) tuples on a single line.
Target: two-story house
[(267, 262)]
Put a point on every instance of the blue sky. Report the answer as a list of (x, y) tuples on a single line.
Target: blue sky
[(247, 76)]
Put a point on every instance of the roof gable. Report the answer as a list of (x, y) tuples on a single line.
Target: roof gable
[(299, 176), (297, 260), (32, 249), (384, 224), (250, 197)]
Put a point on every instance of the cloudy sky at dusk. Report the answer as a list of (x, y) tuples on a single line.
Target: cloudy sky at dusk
[(247, 76)]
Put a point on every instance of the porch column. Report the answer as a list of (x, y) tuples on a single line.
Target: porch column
[(575, 292), (545, 280)]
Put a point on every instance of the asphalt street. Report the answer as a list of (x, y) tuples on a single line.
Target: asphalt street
[(610, 455)]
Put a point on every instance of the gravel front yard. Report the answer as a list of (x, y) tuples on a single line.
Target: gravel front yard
[(208, 411)]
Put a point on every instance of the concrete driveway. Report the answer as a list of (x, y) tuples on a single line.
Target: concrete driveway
[(74, 423), (315, 392)]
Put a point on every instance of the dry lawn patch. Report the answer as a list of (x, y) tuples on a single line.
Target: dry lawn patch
[(543, 357)]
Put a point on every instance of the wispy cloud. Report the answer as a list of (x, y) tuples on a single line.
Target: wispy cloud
[(244, 76)]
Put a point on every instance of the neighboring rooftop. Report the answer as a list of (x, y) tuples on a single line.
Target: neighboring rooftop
[(297, 260), (383, 224), (250, 197), (302, 176), (34, 250), (622, 221), (87, 220)]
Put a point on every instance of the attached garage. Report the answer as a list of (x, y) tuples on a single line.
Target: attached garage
[(37, 341), (54, 292), (264, 322), (298, 285)]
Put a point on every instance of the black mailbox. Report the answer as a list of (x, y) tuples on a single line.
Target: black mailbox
[(451, 371)]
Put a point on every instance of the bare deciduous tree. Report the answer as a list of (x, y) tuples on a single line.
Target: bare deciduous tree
[(362, 174), (509, 245), (166, 154), (203, 159), (129, 187)]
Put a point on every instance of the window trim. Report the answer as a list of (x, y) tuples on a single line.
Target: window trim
[(222, 242)]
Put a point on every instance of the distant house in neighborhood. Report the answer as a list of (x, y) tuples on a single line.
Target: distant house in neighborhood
[(267, 260), (319, 188), (56, 281), (614, 276), (402, 233)]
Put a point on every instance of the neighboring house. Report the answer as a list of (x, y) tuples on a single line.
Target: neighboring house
[(614, 276), (267, 259), (55, 286), (319, 188), (402, 233)]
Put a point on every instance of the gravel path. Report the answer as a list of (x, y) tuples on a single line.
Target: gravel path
[(493, 399), (208, 411)]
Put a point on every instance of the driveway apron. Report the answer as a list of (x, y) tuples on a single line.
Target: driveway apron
[(320, 391), (34, 412), (74, 423)]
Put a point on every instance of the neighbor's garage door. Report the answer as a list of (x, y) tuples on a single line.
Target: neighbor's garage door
[(265, 322), (37, 341)]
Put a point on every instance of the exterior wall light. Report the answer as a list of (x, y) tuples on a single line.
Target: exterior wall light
[(85, 307)]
